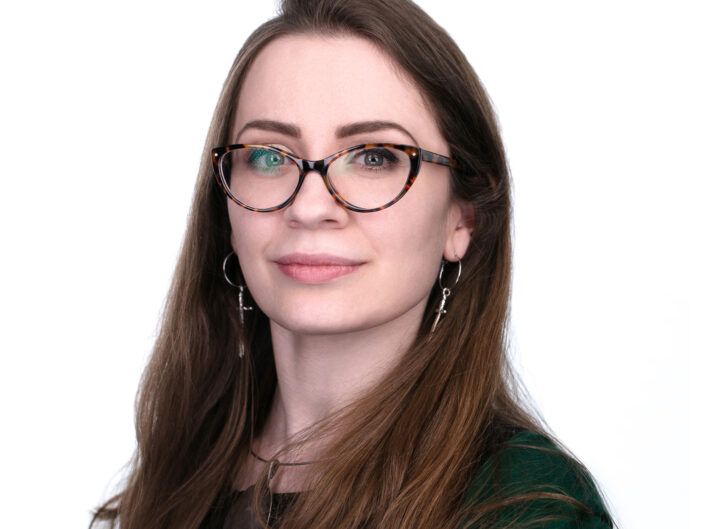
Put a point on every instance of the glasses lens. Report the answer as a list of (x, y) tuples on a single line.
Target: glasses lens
[(259, 177), (370, 177)]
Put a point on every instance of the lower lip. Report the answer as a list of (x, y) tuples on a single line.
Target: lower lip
[(316, 274)]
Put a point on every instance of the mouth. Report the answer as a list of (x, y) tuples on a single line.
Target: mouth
[(316, 268)]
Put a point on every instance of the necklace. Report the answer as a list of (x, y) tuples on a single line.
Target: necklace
[(274, 465), (279, 463)]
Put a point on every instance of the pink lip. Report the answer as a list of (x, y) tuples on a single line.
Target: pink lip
[(316, 268)]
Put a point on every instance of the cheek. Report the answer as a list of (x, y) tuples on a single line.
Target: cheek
[(234, 225), (243, 226), (417, 230), (248, 238), (411, 240)]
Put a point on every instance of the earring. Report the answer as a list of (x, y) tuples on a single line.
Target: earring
[(445, 292), (240, 300)]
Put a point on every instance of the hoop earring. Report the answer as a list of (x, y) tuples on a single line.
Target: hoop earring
[(240, 300), (445, 292)]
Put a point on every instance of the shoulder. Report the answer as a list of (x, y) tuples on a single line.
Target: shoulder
[(530, 482)]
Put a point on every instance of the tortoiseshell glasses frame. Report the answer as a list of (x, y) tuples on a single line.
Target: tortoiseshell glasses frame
[(416, 156)]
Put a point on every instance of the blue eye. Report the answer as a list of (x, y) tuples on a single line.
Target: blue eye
[(264, 160)]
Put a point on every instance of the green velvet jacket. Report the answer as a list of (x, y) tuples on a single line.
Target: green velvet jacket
[(530, 466)]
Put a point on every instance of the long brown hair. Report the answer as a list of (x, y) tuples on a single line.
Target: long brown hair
[(404, 454)]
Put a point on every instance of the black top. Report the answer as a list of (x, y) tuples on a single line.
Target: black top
[(236, 512)]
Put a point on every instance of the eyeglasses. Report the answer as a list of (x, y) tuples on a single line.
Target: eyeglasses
[(364, 178)]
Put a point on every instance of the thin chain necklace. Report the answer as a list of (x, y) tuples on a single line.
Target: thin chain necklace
[(279, 463), (274, 465)]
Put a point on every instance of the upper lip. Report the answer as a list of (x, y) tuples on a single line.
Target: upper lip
[(316, 259)]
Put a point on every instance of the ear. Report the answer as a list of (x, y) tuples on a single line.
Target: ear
[(461, 223), (232, 242)]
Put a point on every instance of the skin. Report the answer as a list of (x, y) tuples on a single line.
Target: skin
[(335, 339)]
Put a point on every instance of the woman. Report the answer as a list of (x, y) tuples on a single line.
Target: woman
[(333, 348)]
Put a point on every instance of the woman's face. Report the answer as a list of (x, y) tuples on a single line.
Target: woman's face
[(315, 267)]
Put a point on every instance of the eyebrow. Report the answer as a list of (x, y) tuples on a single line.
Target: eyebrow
[(273, 126), (351, 129), (370, 126)]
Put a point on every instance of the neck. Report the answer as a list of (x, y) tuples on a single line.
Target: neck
[(319, 375)]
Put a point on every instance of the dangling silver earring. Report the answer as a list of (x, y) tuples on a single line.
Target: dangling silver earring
[(445, 292), (240, 300)]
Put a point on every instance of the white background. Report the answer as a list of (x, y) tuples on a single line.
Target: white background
[(104, 109)]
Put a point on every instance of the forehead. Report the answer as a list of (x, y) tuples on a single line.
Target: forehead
[(319, 83)]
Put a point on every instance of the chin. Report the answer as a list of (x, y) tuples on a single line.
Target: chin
[(320, 327), (324, 320)]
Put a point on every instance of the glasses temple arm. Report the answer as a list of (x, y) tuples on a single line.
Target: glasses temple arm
[(438, 159)]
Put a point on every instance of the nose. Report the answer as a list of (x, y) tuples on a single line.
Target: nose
[(314, 206)]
